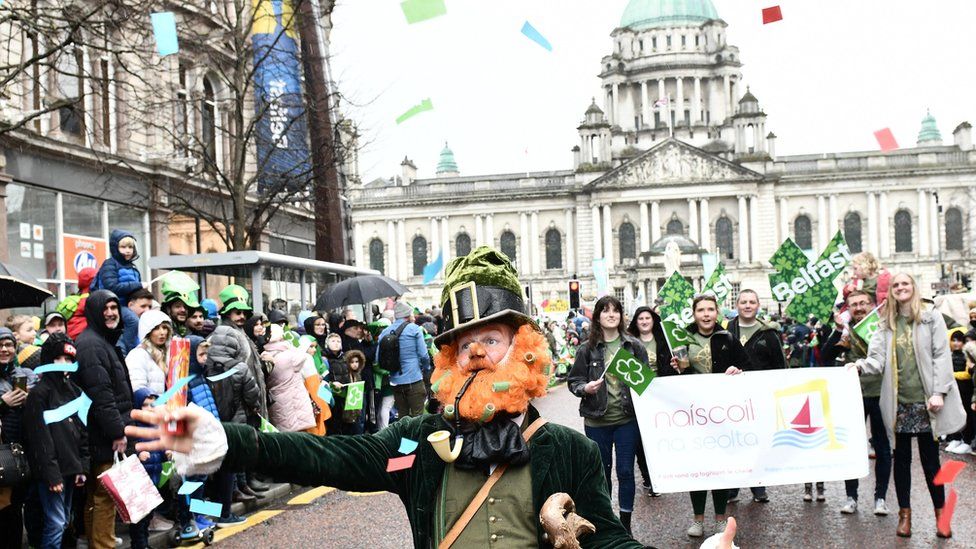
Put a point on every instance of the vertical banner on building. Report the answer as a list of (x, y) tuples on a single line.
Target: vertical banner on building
[(602, 276), (81, 252), (283, 158)]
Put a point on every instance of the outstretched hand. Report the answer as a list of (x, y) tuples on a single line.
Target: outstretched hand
[(724, 540), (157, 439)]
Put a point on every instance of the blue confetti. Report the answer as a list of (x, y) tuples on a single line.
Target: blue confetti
[(208, 508), (224, 375), (189, 487), (180, 383), (407, 446), (534, 35), (57, 366), (326, 394), (78, 406)]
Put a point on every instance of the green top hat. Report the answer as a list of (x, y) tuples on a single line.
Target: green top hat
[(480, 288), (234, 297), (188, 298), (178, 286)]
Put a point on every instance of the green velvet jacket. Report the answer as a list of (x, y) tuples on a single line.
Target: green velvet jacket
[(562, 460)]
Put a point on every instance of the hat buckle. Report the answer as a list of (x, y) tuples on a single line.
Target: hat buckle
[(472, 287)]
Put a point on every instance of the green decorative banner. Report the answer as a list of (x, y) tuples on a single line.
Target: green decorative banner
[(676, 312), (354, 395), (631, 371), (867, 326), (808, 285)]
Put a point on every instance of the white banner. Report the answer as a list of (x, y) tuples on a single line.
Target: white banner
[(705, 432)]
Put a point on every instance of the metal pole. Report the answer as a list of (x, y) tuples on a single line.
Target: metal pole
[(942, 274)]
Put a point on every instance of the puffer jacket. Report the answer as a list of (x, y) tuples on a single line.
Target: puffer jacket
[(252, 358), (143, 370), (198, 390), (118, 275), (236, 396), (73, 307), (102, 375), (56, 450), (291, 408), (589, 366), (11, 418)]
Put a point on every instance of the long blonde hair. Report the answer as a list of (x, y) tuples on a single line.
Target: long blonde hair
[(891, 305), (158, 354)]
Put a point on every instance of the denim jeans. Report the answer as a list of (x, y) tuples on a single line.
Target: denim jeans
[(56, 510), (882, 451), (625, 438)]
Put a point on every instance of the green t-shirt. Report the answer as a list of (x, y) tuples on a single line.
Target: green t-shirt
[(700, 353), (651, 347), (870, 383), (746, 332), (615, 415), (909, 380)]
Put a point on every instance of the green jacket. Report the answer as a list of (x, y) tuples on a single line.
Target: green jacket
[(562, 460)]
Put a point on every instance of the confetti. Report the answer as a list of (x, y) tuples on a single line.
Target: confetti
[(948, 472), (422, 10), (326, 394), (534, 35), (400, 463), (407, 446), (165, 474), (224, 375), (57, 367), (431, 270), (424, 105), (180, 383), (772, 15), (78, 406), (164, 28), (202, 507), (886, 139), (189, 487), (945, 521)]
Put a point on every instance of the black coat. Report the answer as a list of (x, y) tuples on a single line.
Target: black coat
[(661, 348), (589, 366), (11, 418), (726, 351), (102, 375), (765, 348), (59, 449), (237, 397)]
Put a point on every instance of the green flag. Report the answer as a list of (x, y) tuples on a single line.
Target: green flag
[(267, 427), (165, 474), (718, 283), (676, 313), (867, 326), (631, 371), (808, 285), (354, 395)]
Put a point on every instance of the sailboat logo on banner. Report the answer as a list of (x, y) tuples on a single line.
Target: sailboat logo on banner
[(803, 418)]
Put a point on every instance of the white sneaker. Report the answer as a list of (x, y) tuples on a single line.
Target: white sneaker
[(951, 447), (160, 524), (963, 448), (696, 530), (880, 507), (850, 507)]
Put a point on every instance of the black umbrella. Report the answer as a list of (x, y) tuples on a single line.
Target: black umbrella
[(19, 289), (359, 290)]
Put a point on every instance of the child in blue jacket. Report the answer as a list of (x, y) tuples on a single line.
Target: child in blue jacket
[(118, 273)]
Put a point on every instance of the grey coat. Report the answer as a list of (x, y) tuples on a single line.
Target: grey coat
[(935, 368)]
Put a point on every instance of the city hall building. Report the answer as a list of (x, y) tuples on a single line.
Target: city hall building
[(677, 149)]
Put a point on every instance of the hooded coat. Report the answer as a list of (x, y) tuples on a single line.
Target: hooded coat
[(117, 274), (198, 391), (236, 396), (73, 306), (143, 370), (291, 408), (102, 375), (252, 357)]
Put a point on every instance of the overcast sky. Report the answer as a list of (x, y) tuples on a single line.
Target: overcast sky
[(828, 75)]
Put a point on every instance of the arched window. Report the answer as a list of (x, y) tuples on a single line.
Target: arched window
[(376, 255), (508, 244), (723, 238), (852, 231), (208, 122), (802, 234), (953, 229), (462, 245), (554, 249), (903, 231), (675, 226), (628, 241), (419, 255)]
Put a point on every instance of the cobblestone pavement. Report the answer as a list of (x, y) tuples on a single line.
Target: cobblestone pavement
[(345, 520)]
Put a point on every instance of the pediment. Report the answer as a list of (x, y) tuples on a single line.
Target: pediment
[(674, 162)]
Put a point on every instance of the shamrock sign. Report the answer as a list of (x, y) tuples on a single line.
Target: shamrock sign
[(354, 396), (676, 313), (631, 371), (868, 325), (808, 285)]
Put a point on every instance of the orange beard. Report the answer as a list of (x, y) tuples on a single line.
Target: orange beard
[(526, 379)]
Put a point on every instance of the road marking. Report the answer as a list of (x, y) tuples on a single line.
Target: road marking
[(310, 496), (256, 518)]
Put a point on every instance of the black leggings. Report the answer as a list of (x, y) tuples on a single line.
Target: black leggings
[(928, 452), (720, 499)]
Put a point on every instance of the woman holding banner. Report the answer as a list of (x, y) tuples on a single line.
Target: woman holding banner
[(919, 397), (605, 401), (712, 350)]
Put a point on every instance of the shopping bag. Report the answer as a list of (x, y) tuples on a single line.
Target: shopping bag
[(129, 485)]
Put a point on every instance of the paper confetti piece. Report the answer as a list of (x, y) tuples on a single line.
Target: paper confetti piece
[(400, 463), (202, 507), (164, 28), (422, 10), (948, 472), (886, 139), (180, 383), (165, 474), (224, 375), (78, 406), (425, 105), (535, 36), (772, 15), (326, 394), (407, 446), (189, 487), (431, 270), (945, 521), (57, 367)]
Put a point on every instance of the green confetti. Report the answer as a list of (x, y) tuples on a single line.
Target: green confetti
[(424, 105), (267, 427), (422, 10)]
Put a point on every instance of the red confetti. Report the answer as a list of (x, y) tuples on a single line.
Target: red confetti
[(945, 521), (948, 472), (772, 15), (400, 463), (886, 139)]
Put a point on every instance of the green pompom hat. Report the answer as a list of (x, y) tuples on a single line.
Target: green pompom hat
[(480, 288), (234, 297)]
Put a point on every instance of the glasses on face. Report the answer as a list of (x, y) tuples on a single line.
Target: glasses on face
[(7, 345)]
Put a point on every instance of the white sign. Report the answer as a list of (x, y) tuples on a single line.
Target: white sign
[(706, 432)]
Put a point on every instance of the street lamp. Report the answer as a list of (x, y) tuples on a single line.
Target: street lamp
[(943, 286)]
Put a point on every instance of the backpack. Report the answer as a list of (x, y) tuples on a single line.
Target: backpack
[(390, 350)]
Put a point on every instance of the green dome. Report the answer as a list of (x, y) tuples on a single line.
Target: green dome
[(447, 164), (648, 14), (930, 130)]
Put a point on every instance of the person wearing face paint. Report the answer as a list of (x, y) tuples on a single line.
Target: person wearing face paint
[(919, 397)]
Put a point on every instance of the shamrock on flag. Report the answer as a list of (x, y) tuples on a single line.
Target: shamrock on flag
[(676, 313), (808, 285), (629, 369), (867, 326), (354, 395)]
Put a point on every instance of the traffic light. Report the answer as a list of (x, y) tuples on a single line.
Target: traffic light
[(574, 289)]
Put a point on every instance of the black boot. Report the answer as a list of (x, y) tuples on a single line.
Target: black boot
[(625, 520)]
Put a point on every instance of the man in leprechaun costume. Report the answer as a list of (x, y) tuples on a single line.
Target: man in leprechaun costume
[(485, 467)]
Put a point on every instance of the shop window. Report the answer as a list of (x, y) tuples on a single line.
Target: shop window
[(31, 237)]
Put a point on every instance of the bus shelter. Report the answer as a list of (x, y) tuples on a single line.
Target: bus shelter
[(268, 277)]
